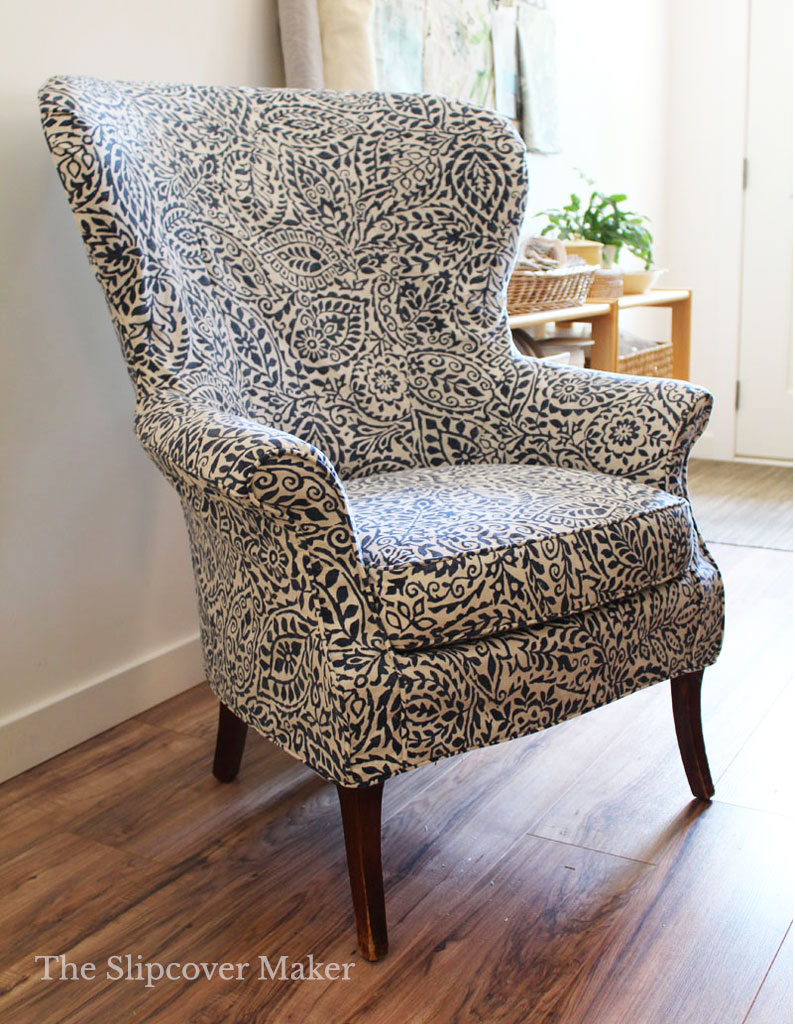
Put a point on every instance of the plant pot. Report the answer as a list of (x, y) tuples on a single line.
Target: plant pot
[(608, 256), (591, 252)]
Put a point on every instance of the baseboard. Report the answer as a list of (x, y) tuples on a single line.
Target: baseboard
[(756, 460), (36, 734)]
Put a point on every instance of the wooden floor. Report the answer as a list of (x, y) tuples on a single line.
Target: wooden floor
[(566, 878)]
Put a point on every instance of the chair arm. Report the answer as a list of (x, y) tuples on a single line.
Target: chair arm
[(241, 460), (640, 427)]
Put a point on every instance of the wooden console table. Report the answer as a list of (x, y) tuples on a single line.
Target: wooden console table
[(603, 318)]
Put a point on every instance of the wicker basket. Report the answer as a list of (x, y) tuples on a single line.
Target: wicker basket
[(607, 284), (653, 362), (532, 291)]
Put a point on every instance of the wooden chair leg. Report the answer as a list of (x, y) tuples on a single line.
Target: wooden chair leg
[(686, 697), (361, 822), (228, 745)]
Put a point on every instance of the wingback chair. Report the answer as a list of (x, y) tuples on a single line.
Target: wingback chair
[(408, 539)]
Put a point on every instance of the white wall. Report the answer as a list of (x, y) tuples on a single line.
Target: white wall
[(613, 93), (97, 611), (652, 99), (613, 89), (704, 200)]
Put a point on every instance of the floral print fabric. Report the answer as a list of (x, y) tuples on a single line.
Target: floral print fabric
[(309, 291), (465, 552)]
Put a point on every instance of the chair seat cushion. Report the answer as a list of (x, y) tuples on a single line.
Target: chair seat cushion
[(462, 552)]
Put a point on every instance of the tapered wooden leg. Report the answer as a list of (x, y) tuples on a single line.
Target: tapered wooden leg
[(686, 696), (228, 745), (361, 822)]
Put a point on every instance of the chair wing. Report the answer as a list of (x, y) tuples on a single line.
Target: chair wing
[(331, 264)]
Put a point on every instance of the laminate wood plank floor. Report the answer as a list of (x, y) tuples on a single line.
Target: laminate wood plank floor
[(775, 998), (566, 878)]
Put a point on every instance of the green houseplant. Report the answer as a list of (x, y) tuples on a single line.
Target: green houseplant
[(602, 219)]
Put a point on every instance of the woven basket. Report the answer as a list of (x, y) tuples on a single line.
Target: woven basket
[(533, 291), (607, 284), (653, 362)]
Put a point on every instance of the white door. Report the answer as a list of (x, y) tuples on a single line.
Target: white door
[(764, 411)]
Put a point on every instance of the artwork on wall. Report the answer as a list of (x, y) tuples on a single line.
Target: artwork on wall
[(458, 59), (506, 62), (399, 32), (498, 53), (535, 25)]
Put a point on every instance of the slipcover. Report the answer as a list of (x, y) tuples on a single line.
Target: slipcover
[(309, 290)]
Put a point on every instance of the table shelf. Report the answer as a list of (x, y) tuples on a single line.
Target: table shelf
[(603, 318)]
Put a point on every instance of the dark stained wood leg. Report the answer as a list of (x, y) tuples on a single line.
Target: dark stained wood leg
[(686, 696), (361, 822), (228, 745)]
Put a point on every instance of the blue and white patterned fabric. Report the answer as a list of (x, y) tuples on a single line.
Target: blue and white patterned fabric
[(462, 552), (408, 539)]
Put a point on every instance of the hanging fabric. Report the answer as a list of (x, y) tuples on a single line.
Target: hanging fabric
[(538, 77), (299, 27), (346, 35)]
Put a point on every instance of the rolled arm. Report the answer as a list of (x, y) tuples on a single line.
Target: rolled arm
[(640, 427), (196, 445)]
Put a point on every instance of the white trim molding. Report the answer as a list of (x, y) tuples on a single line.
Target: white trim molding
[(38, 733)]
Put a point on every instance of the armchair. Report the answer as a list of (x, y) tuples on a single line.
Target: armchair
[(408, 539)]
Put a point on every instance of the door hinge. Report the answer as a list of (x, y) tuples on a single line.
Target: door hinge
[(745, 173), (737, 396)]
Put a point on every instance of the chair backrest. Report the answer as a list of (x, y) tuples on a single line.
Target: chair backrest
[(331, 264)]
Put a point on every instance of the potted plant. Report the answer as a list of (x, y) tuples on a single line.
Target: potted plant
[(602, 219)]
